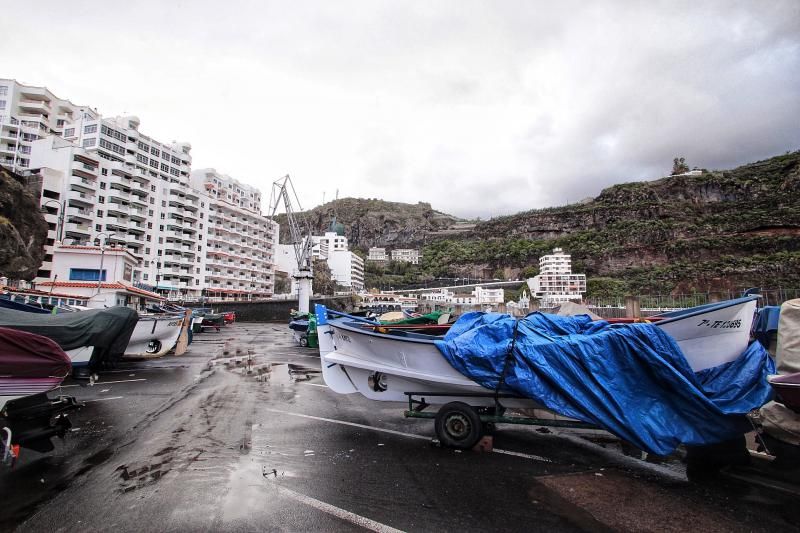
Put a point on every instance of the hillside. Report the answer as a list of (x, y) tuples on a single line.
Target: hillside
[(714, 231), (370, 222), (719, 230)]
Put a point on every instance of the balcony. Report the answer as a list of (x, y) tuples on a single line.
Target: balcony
[(78, 212), (137, 214), (34, 106), (77, 228), (82, 198), (119, 209), (81, 184)]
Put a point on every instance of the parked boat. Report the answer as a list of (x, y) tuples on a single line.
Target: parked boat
[(155, 335), (89, 337), (712, 334), (30, 367), (7, 303), (384, 366), (358, 355)]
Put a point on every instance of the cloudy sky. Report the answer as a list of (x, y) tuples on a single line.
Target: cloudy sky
[(480, 108)]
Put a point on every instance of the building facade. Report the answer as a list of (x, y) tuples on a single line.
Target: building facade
[(240, 247), (27, 114), (556, 283), (377, 254), (406, 255)]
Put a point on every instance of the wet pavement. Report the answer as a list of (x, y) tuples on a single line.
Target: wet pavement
[(206, 442)]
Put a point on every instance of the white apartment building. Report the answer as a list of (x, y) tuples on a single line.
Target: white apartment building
[(556, 283), (27, 114), (406, 255), (377, 254), (106, 180), (240, 246)]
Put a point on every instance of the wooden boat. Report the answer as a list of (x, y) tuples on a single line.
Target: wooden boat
[(712, 334), (383, 363)]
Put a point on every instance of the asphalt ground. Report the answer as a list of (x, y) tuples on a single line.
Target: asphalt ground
[(202, 442)]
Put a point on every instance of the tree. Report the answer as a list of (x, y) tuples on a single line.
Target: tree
[(323, 282), (679, 166), (282, 283)]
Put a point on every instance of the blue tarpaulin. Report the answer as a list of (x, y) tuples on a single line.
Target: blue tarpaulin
[(631, 379)]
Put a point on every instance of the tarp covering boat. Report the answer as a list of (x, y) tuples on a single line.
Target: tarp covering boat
[(630, 379), (25, 355), (108, 330)]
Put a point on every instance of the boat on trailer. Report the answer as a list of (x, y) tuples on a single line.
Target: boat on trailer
[(154, 335), (384, 363)]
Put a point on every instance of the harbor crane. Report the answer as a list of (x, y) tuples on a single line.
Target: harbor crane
[(299, 233)]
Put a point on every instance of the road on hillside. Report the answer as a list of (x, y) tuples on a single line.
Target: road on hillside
[(199, 443)]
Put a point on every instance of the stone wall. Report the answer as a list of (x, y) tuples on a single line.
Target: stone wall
[(271, 310)]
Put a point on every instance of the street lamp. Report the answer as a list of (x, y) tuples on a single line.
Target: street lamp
[(61, 210), (102, 253)]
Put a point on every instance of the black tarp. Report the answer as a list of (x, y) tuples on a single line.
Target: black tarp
[(25, 355), (108, 330)]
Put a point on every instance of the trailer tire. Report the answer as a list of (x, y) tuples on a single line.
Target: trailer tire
[(458, 425), (304, 341)]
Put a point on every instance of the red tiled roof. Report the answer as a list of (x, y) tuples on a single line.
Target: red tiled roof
[(43, 293), (106, 285)]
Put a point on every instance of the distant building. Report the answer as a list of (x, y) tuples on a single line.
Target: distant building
[(406, 255), (383, 303), (377, 254), (556, 283)]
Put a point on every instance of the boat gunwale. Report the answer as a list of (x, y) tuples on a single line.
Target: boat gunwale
[(701, 310), (337, 324)]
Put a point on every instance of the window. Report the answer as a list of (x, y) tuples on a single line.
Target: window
[(163, 203), (88, 142), (104, 171), (145, 276), (161, 227), (143, 147), (149, 225), (152, 202), (141, 158), (86, 274), (69, 132), (3, 90), (152, 188), (164, 167), (147, 237), (91, 128), (160, 241), (99, 213), (150, 211), (165, 156), (155, 151), (98, 227), (102, 185), (101, 199), (154, 163)]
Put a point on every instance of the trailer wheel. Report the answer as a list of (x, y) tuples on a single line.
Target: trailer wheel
[(304, 341), (458, 425)]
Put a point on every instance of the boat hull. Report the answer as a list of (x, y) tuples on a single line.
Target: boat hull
[(154, 336), (711, 335), (384, 368)]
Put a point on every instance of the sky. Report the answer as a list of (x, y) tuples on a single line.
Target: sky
[(480, 108)]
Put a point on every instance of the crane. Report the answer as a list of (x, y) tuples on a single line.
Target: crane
[(300, 234)]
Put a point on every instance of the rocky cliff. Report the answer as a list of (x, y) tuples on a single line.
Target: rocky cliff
[(23, 229), (710, 231), (369, 222)]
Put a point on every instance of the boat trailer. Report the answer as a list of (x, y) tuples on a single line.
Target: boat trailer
[(460, 425)]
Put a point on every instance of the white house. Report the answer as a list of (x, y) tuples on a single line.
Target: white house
[(101, 274)]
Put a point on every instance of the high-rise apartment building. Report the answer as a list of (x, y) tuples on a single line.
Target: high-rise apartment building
[(112, 183), (240, 243), (27, 114), (556, 283), (103, 181)]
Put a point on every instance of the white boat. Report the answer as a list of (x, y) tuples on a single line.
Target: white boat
[(712, 334), (385, 366), (154, 335)]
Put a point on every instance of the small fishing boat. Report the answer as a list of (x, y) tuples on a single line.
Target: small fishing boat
[(384, 363), (712, 334), (88, 337), (30, 367), (154, 335)]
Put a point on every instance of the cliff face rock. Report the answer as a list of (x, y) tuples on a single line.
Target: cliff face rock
[(370, 223), (708, 231), (23, 229)]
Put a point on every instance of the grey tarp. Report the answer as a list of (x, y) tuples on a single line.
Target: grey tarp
[(108, 330), (778, 420)]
